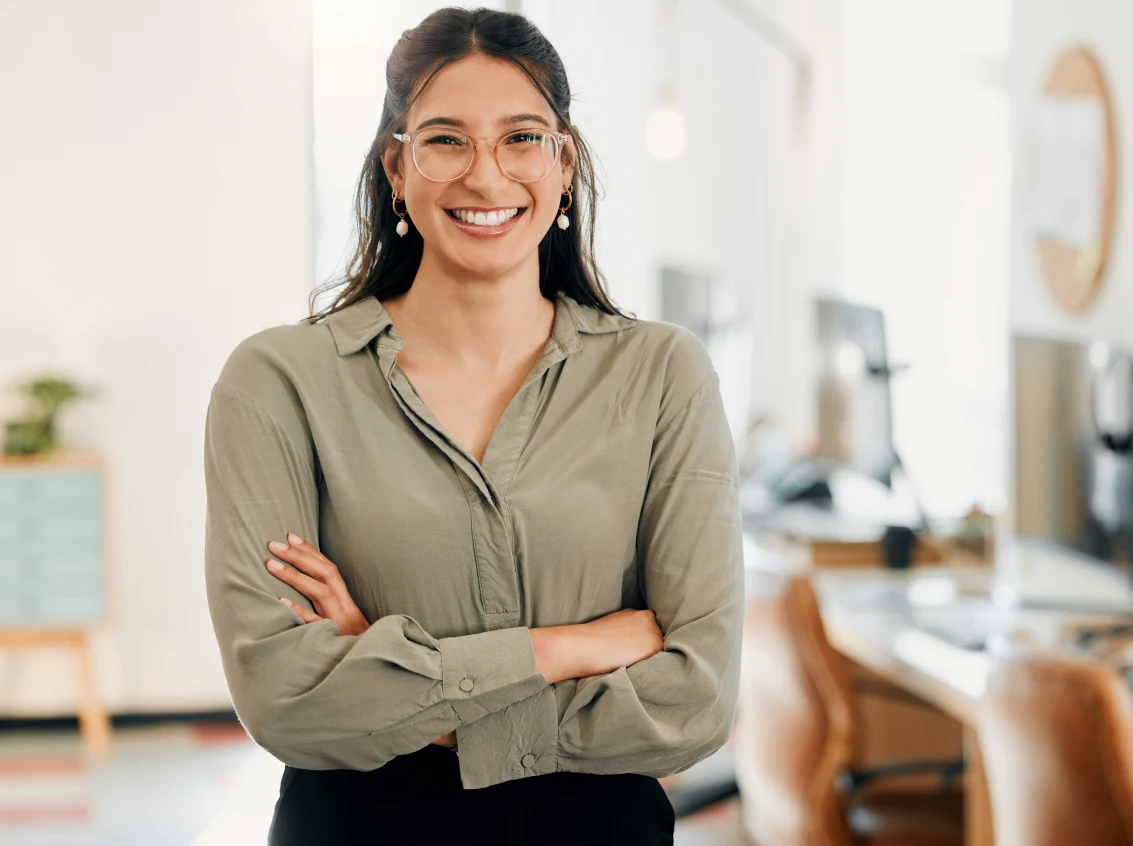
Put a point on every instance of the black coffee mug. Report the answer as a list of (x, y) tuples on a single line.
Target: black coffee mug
[(899, 543)]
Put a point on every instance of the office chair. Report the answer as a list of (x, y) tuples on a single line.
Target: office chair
[(797, 731), (1056, 736)]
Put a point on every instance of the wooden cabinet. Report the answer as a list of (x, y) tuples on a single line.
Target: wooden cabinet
[(52, 544), (53, 565)]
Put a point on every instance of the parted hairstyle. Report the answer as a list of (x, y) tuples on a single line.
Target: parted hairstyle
[(384, 263)]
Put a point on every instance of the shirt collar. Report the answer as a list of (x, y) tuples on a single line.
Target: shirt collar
[(359, 323)]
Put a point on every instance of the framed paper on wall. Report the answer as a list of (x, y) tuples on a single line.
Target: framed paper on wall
[(1075, 177)]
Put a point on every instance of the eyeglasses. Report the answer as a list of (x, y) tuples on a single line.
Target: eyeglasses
[(445, 155)]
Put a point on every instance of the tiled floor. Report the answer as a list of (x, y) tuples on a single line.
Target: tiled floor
[(161, 785), (177, 785), (715, 826)]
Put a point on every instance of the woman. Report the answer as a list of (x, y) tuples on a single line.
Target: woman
[(502, 516)]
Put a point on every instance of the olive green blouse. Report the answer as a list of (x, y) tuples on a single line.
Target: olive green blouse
[(610, 482)]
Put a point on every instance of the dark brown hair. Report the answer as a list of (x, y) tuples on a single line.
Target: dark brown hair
[(384, 264)]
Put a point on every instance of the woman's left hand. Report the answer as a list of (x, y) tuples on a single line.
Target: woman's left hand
[(317, 578)]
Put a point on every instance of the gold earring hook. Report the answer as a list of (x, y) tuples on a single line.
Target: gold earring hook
[(394, 204)]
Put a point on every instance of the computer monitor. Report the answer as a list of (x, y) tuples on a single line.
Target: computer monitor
[(1073, 424), (855, 414)]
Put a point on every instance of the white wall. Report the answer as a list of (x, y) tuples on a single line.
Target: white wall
[(155, 164), (1042, 30), (926, 221)]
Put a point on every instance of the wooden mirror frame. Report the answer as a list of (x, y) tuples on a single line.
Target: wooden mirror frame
[(1073, 276)]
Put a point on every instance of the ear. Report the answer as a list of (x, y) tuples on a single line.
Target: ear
[(391, 163), (569, 156)]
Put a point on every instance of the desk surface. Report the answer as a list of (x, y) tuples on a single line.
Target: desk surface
[(867, 618), (877, 618)]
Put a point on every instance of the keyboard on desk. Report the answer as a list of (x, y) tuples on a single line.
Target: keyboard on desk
[(971, 628), (971, 633), (967, 625)]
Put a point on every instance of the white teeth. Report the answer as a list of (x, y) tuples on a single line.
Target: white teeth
[(492, 218)]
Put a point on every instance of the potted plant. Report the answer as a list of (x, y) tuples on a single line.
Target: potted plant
[(34, 434)]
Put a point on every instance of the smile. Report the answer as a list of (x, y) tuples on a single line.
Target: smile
[(485, 224), (480, 218)]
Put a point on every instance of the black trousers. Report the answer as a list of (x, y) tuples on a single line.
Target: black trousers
[(419, 799)]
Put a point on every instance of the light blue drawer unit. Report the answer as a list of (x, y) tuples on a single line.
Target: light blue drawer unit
[(52, 551)]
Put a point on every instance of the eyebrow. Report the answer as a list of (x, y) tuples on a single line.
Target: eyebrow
[(508, 121)]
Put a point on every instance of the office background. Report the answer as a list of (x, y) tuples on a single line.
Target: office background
[(176, 176)]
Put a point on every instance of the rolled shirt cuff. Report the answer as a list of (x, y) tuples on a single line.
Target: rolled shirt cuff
[(484, 672), (517, 741)]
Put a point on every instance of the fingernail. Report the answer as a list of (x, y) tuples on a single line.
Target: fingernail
[(277, 546), (285, 601), (274, 565), (294, 539)]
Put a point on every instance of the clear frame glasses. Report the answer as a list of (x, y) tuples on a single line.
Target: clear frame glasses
[(445, 155)]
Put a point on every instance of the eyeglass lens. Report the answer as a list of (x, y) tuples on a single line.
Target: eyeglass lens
[(525, 156)]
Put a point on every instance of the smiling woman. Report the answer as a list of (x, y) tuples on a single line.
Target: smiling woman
[(481, 103), (503, 517)]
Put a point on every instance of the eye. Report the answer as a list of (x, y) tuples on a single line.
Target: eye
[(442, 139), (528, 136)]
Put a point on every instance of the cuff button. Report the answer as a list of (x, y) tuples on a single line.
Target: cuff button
[(528, 761), (465, 685)]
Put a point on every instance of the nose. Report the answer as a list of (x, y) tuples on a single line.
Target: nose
[(485, 176)]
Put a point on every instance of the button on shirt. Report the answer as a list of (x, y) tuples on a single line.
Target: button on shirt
[(610, 482)]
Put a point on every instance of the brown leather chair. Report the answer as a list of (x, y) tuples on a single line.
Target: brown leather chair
[(1056, 735), (796, 734)]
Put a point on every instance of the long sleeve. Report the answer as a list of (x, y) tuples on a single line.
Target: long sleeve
[(313, 698), (661, 715)]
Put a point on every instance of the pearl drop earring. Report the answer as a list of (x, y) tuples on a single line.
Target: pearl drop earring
[(563, 220), (402, 226)]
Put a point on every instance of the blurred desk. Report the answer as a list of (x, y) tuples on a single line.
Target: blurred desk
[(886, 621), (881, 619), (827, 537), (868, 616), (932, 630)]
